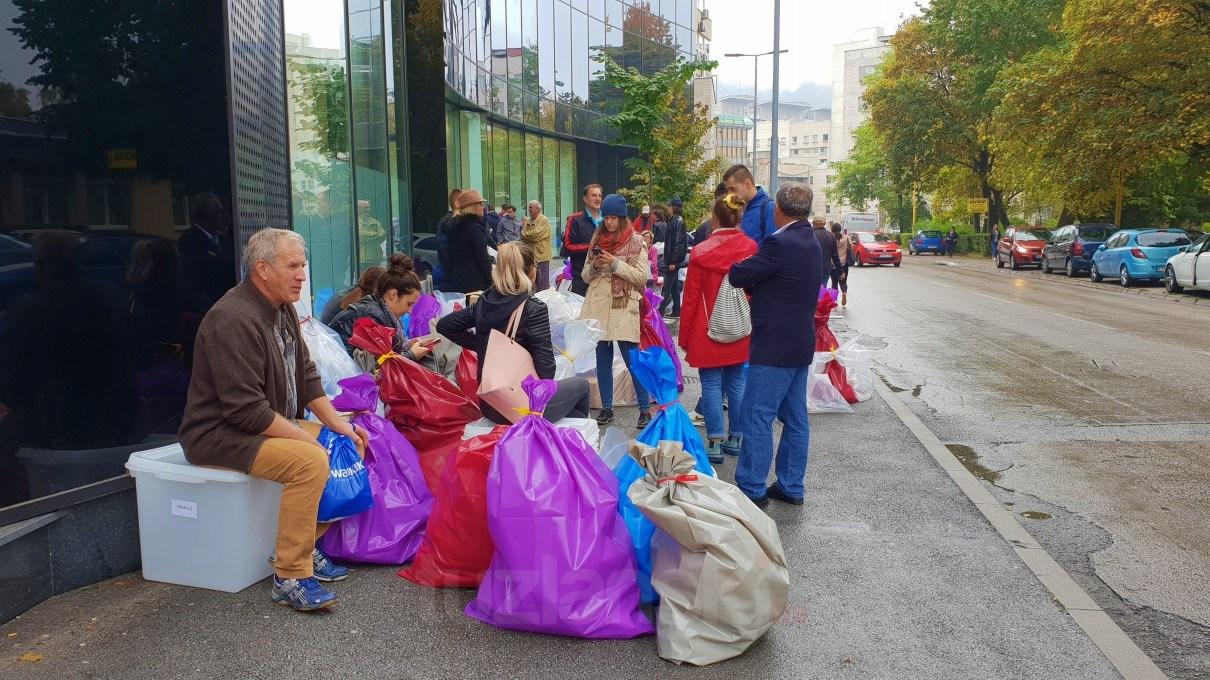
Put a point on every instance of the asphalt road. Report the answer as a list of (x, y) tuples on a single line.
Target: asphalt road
[(894, 574), (1085, 408)]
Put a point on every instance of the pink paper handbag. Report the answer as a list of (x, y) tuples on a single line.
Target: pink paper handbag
[(507, 363)]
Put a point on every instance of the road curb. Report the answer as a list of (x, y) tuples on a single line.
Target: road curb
[(1113, 642)]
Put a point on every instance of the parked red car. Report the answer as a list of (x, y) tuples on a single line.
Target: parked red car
[(874, 249), (1020, 248)]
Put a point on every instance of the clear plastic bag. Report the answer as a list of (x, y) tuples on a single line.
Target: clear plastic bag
[(857, 361), (822, 396), (578, 351), (614, 447), (450, 302), (562, 306), (328, 353)]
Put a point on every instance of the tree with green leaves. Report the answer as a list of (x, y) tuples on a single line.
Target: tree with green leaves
[(658, 118), (933, 100), (1119, 109), (867, 176)]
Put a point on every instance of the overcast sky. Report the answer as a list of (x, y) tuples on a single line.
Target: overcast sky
[(809, 29)]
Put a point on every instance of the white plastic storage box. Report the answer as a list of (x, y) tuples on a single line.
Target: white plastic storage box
[(585, 426), (200, 526)]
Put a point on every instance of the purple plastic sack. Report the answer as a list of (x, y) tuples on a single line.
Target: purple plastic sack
[(661, 330), (426, 309), (391, 531), (562, 562)]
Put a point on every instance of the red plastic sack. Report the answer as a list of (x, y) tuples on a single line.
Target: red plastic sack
[(457, 547), (825, 340), (840, 380), (426, 408), (466, 372)]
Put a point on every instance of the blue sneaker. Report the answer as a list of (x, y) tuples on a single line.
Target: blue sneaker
[(326, 570), (303, 594)]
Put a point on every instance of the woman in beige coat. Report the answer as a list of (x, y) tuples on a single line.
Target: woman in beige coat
[(616, 272)]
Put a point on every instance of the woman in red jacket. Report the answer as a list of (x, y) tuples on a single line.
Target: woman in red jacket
[(720, 366)]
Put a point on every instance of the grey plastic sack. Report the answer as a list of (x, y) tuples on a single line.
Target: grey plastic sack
[(718, 568)]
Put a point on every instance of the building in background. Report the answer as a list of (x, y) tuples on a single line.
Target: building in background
[(802, 154), (732, 134), (851, 63), (348, 122)]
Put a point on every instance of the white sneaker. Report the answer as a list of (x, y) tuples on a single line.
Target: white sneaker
[(698, 419)]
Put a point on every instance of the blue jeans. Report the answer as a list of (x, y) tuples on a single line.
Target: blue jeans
[(605, 374), (716, 381), (780, 393)]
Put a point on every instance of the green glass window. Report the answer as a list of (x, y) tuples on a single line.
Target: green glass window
[(550, 182), (533, 172), (371, 164), (500, 161), (567, 178), (516, 170), (321, 176)]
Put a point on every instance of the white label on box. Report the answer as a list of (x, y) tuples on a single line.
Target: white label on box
[(184, 509)]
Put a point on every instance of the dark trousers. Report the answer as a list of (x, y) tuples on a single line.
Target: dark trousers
[(671, 292), (837, 282), (570, 401), (543, 277), (578, 285)]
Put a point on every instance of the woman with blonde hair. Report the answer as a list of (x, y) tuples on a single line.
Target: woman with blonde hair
[(720, 365), (512, 287), (616, 271)]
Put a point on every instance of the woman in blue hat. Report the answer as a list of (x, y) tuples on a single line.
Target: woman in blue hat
[(616, 273)]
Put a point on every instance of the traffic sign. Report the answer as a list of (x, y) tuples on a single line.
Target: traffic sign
[(978, 205)]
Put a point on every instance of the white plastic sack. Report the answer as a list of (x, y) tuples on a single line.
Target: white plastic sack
[(450, 302), (578, 353), (329, 355), (857, 361), (562, 306), (614, 446), (822, 396)]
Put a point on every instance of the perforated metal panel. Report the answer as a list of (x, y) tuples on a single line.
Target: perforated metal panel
[(260, 172)]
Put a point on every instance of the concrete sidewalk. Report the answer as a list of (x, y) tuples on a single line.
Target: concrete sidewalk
[(895, 574)]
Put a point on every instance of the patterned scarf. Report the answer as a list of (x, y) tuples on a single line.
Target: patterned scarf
[(622, 245)]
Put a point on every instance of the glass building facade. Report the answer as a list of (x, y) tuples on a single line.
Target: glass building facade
[(139, 149)]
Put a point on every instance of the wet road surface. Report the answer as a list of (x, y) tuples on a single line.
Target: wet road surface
[(1086, 409)]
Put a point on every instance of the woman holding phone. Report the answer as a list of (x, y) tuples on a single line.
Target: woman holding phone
[(616, 272), (396, 290), (513, 281)]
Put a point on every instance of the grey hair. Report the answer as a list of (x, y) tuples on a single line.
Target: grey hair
[(263, 245), (537, 203), (794, 199)]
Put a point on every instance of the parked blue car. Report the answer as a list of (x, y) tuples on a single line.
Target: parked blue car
[(1134, 255), (927, 242)]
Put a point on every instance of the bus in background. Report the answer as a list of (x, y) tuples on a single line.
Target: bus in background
[(855, 222)]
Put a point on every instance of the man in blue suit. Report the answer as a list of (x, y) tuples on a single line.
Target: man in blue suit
[(783, 278)]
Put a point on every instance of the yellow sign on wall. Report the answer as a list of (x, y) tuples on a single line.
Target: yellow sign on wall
[(977, 205), (122, 159)]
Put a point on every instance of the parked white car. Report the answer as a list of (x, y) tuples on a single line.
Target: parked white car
[(1189, 268)]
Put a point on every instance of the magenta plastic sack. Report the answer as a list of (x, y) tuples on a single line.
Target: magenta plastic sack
[(426, 309), (562, 562), (391, 531), (661, 330)]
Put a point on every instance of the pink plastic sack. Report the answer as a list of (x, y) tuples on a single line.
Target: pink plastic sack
[(562, 562), (391, 531)]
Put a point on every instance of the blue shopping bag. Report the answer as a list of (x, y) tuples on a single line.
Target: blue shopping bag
[(348, 489), (654, 370)]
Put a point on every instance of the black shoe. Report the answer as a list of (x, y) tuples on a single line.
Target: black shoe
[(761, 503), (775, 491), (605, 417), (644, 419)]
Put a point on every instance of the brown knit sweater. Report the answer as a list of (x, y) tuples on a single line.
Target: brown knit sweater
[(239, 380)]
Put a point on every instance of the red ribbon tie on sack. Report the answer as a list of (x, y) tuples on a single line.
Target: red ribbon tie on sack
[(681, 479)]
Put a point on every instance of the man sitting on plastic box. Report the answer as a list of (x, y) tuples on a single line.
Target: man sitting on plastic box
[(252, 378)]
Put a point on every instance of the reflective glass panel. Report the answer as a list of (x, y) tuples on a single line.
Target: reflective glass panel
[(370, 154), (563, 66), (596, 70), (546, 48), (500, 159), (516, 170), (533, 171), (580, 46)]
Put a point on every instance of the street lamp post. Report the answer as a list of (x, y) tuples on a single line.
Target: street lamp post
[(755, 93), (776, 141)]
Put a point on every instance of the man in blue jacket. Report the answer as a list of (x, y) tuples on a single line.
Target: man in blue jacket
[(783, 278), (758, 216)]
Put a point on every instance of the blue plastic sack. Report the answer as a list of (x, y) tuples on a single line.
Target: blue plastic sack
[(654, 370), (348, 489)]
